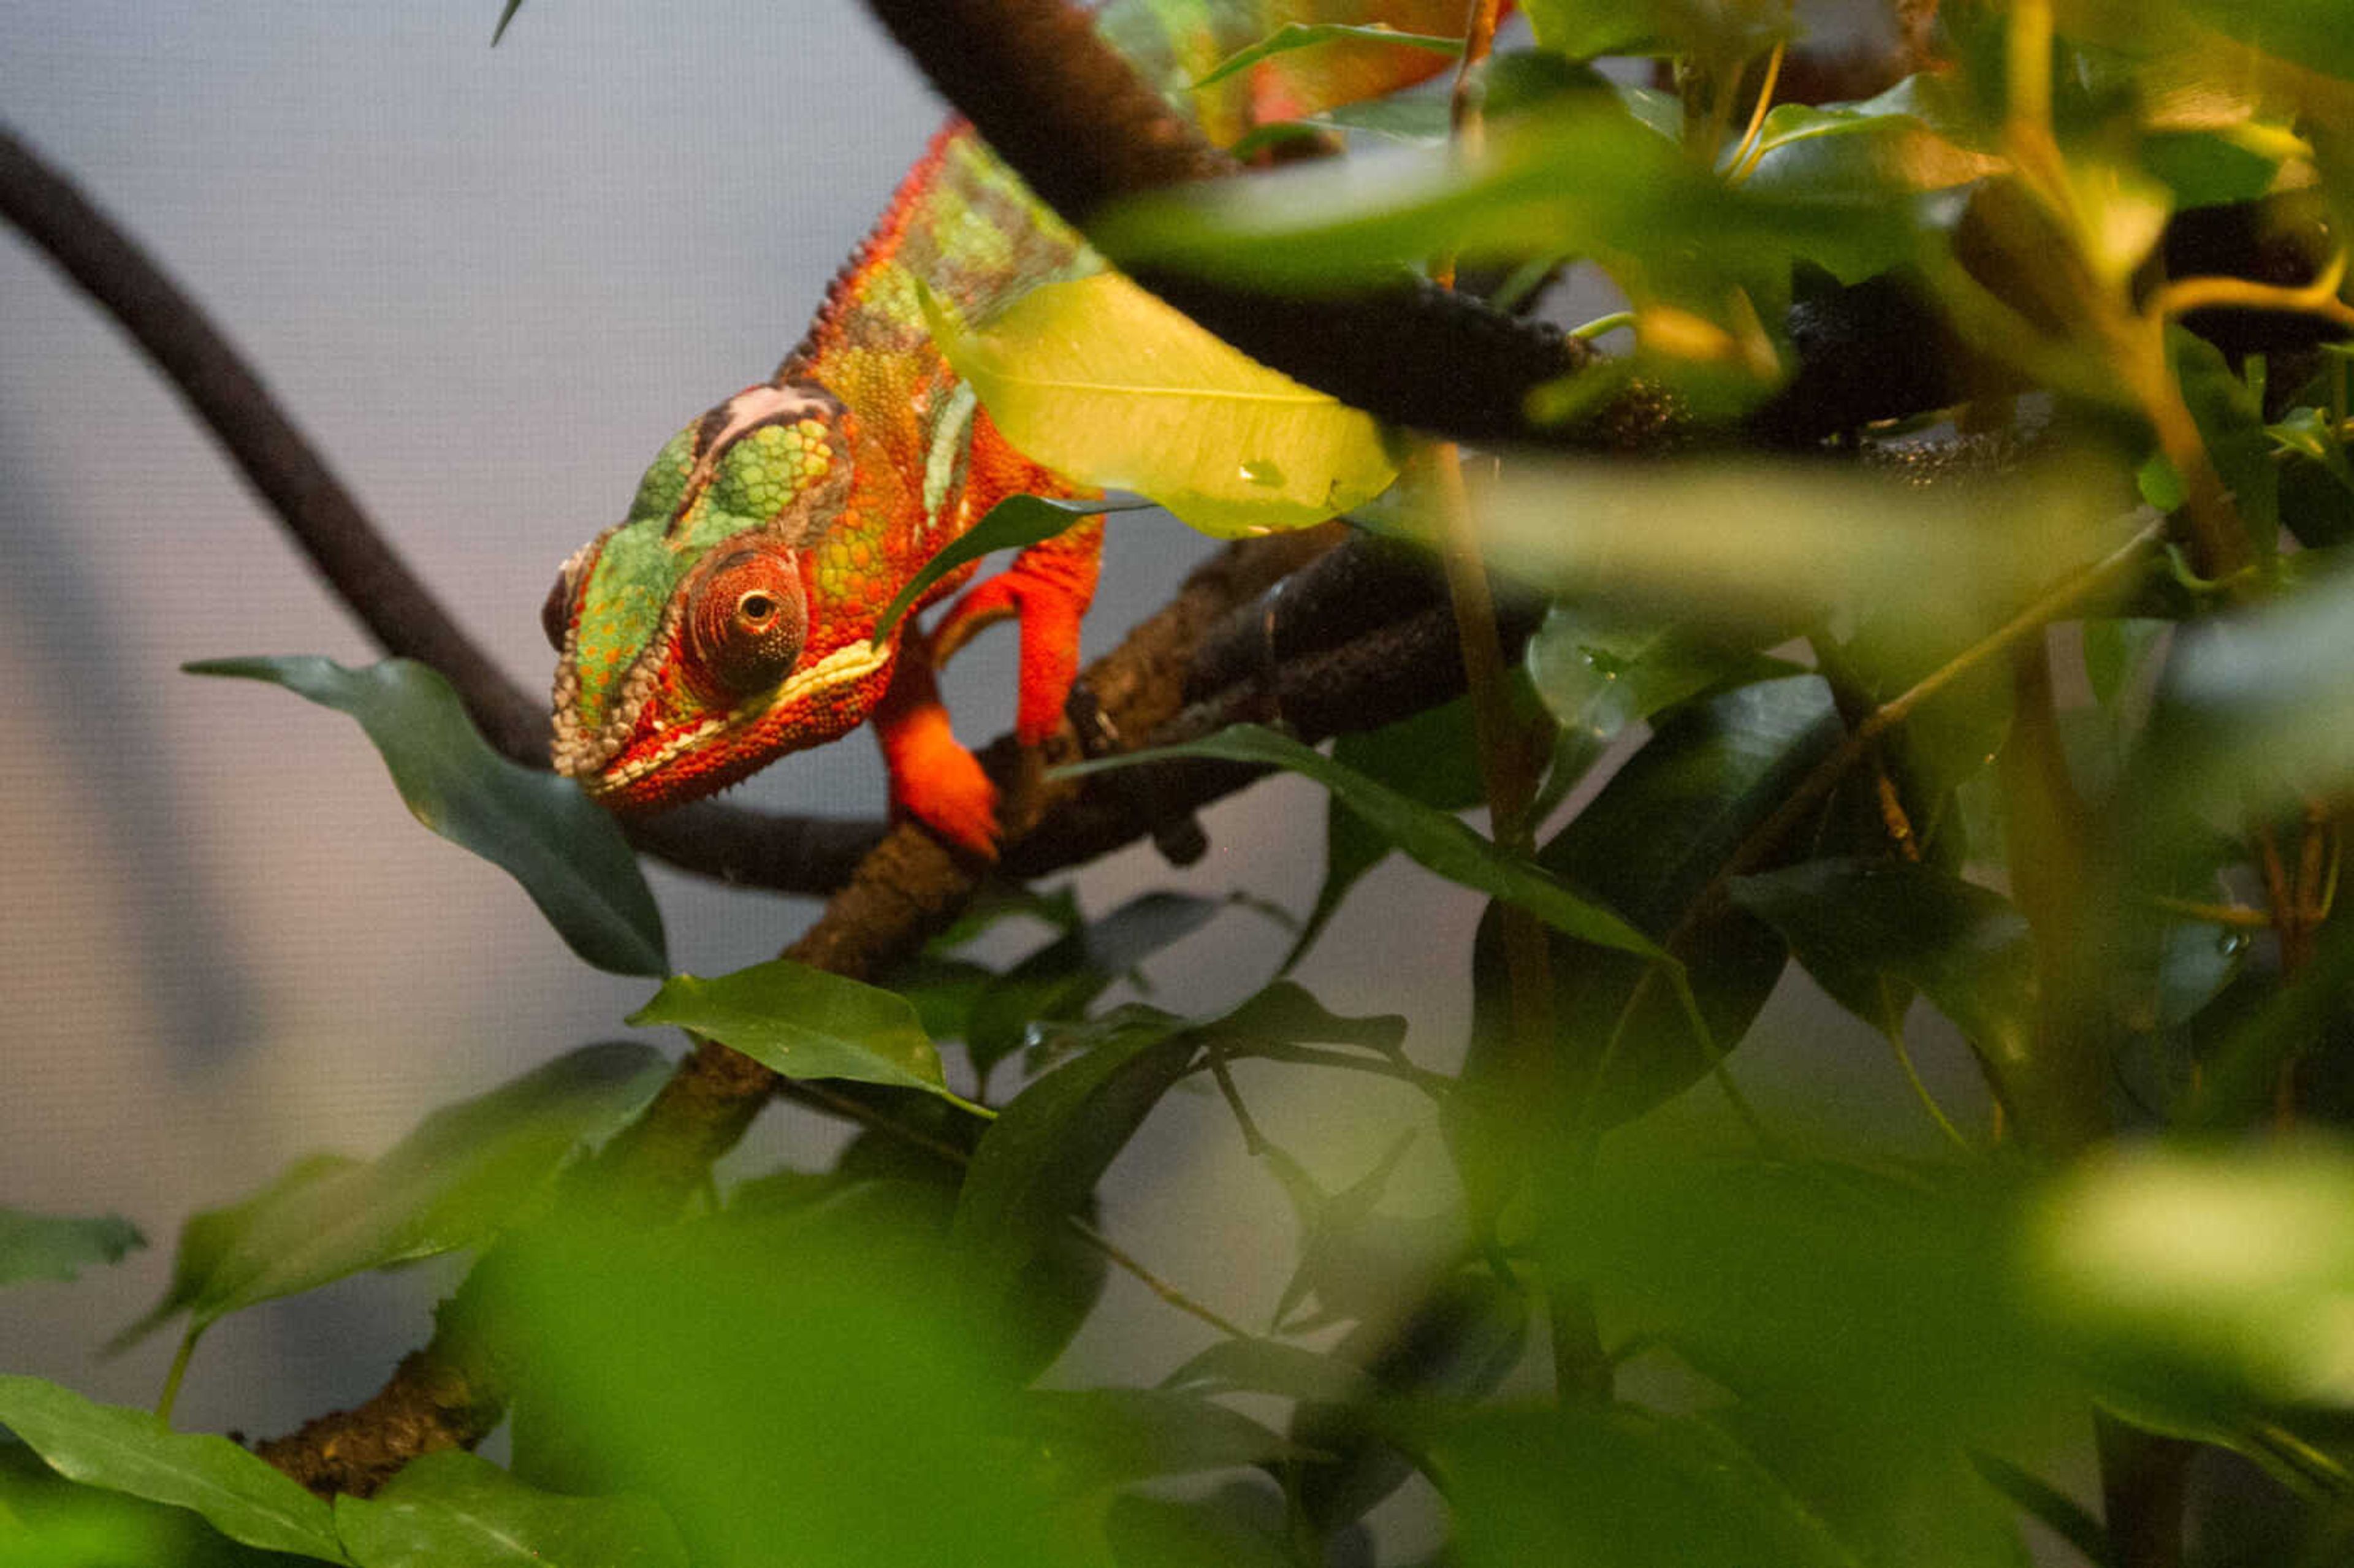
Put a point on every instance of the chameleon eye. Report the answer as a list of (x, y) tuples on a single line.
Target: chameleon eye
[(744, 620)]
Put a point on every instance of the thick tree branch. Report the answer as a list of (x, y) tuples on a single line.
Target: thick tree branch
[(226, 394)]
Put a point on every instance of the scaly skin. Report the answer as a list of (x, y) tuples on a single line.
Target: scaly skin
[(729, 617)]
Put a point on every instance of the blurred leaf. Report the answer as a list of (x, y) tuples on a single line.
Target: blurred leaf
[(1750, 545), (1428, 836), (1432, 758), (451, 1510), (809, 1389), (1285, 1013), (1718, 29), (540, 829), (805, 1023), (1044, 1154), (2120, 213), (506, 14), (1451, 1342), (941, 991), (1153, 1532), (1581, 177), (1879, 1305), (1013, 524), (1104, 384), (1651, 1492), (468, 1171), (1060, 980), (2215, 1286), (1854, 923), (2059, 1512), (1308, 34), (1271, 1366), (41, 1246), (2232, 423), (1902, 141), (2116, 650), (1414, 120), (1654, 839), (207, 1236), (1121, 1434), (48, 1521), (131, 1451), (2312, 33)]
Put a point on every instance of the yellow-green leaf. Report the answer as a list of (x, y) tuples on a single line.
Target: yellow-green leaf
[(1103, 383)]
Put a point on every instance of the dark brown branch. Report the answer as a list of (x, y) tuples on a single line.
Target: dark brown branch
[(326, 522)]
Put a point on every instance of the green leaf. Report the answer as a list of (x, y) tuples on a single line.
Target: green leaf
[(1307, 35), (506, 14), (2233, 422), (540, 829), (451, 1510), (1717, 29), (131, 1451), (207, 1236), (49, 1522), (805, 1023), (1271, 1366), (468, 1171), (40, 1247), (1652, 1491), (1430, 837), (1580, 176), (2312, 33), (1855, 923), (1653, 841), (1041, 1157), (1122, 1434), (1904, 141), (2213, 1286), (1106, 385), (2039, 1500), (1152, 1532), (1431, 757), (1013, 524), (1060, 979)]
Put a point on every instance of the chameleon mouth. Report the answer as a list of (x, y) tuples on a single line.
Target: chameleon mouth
[(845, 665)]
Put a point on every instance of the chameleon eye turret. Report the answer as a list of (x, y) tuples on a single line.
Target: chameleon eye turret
[(746, 617)]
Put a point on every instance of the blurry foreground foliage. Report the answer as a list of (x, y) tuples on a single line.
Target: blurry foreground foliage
[(2030, 721)]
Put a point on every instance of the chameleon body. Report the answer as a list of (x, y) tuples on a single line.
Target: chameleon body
[(729, 617)]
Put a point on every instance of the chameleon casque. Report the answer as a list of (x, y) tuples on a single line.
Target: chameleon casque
[(729, 617)]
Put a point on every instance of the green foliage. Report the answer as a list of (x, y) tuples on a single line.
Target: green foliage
[(1787, 706), (44, 1247), (538, 828)]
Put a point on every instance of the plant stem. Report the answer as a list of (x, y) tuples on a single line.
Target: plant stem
[(171, 1395)]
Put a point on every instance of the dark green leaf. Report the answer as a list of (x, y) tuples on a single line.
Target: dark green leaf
[(131, 1451), (506, 14), (1060, 979), (1432, 758), (1042, 1156), (1013, 524), (1653, 841), (1853, 923), (468, 1171), (1307, 35), (1121, 1434), (1716, 29), (1210, 1532), (207, 1236), (2233, 422), (1651, 1492), (2312, 33), (2061, 1514), (2115, 651), (1430, 836), (451, 1510), (537, 828), (805, 1023), (40, 1247), (941, 991), (1287, 1015)]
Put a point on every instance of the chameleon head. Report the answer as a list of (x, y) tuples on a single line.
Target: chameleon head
[(686, 654)]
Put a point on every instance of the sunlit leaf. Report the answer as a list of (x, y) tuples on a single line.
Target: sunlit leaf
[(804, 1023), (467, 1170), (1106, 385), (450, 1509), (1431, 837), (1308, 34), (537, 828), (1016, 521), (131, 1451), (42, 1246), (2211, 1284)]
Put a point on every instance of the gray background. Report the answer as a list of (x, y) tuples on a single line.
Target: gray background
[(489, 284)]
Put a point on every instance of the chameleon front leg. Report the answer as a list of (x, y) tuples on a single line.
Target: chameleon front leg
[(933, 778), (1049, 586)]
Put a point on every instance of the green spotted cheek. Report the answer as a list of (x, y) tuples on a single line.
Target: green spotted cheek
[(634, 579), (666, 481)]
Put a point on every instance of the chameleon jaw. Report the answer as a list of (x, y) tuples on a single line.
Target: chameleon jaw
[(844, 666)]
